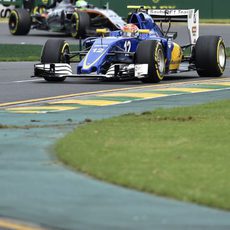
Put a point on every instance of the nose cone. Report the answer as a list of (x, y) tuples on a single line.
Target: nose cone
[(97, 54), (94, 58)]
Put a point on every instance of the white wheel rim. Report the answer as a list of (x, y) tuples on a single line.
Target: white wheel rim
[(221, 56), (160, 61)]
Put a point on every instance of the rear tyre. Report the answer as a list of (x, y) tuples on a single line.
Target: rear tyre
[(210, 56), (55, 51), (19, 22), (80, 21), (151, 53)]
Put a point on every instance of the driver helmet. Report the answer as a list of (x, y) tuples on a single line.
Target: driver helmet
[(130, 30), (81, 4)]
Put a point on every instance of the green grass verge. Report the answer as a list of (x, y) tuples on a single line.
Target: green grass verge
[(20, 52), (181, 153), (13, 52), (215, 21)]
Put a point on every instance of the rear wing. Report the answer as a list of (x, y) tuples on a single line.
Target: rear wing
[(187, 15)]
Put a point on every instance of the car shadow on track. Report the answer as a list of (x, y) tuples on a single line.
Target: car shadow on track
[(166, 80)]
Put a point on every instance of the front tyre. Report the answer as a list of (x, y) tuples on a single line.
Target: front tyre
[(210, 56), (55, 51), (151, 52), (19, 22)]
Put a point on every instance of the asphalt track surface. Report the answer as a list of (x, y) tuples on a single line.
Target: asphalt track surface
[(16, 83), (35, 188)]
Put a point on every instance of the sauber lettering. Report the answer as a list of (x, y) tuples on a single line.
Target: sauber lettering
[(169, 12)]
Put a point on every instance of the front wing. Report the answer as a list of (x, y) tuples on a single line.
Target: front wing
[(59, 70), (52, 70)]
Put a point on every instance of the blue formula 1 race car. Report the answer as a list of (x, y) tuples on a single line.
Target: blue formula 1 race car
[(141, 50)]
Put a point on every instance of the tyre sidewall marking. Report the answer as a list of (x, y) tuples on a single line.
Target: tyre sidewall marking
[(42, 10), (159, 75), (65, 45), (75, 14), (220, 42), (35, 10), (15, 14)]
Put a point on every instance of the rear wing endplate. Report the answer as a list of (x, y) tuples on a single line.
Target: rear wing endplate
[(178, 15)]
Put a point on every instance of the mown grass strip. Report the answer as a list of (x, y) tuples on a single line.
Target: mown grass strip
[(181, 153), (11, 52), (24, 52), (215, 21)]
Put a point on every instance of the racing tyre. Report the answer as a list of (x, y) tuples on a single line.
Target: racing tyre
[(151, 53), (54, 51), (80, 21), (19, 22), (210, 56)]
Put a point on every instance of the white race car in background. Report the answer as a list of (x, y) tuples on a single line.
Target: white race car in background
[(66, 18)]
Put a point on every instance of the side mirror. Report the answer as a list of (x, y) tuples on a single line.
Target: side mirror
[(102, 31), (172, 35), (144, 31)]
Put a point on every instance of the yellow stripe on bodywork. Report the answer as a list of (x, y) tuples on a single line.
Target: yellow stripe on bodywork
[(135, 95), (40, 109), (88, 102), (189, 90)]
